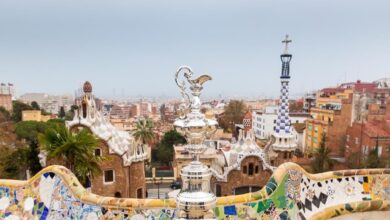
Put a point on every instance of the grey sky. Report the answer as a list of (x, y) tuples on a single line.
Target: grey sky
[(135, 47)]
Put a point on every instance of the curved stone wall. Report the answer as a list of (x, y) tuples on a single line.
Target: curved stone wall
[(291, 193)]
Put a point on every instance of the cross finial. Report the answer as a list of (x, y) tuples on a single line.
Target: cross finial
[(286, 42)]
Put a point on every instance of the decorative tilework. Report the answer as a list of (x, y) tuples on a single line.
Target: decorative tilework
[(291, 193)]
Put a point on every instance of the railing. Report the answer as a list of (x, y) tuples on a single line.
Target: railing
[(55, 193)]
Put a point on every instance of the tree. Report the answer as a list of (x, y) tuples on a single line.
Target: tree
[(70, 114), (234, 114), (165, 148), (322, 161), (13, 162), (18, 107), (373, 160), (353, 160), (144, 131), (76, 150), (5, 114), (35, 105), (29, 130), (61, 114)]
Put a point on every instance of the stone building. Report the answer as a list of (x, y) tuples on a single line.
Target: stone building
[(123, 172), (36, 115), (6, 101), (238, 167), (332, 123), (362, 137), (338, 108)]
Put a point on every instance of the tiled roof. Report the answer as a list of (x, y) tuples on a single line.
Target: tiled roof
[(377, 129)]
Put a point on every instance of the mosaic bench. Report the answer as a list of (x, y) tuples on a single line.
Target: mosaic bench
[(291, 193)]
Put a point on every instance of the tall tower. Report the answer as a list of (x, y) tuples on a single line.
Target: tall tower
[(285, 142)]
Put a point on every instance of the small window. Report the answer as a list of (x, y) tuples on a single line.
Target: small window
[(250, 170), (140, 193), (347, 137), (244, 169), (356, 140), (98, 152), (257, 169), (109, 176), (285, 156), (117, 195), (218, 190)]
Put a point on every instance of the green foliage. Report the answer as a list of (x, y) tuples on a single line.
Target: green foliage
[(353, 161), (70, 114), (14, 162), (373, 160), (165, 148), (29, 130), (76, 150), (144, 131), (322, 161), (18, 107), (6, 115), (234, 114), (61, 114), (35, 105)]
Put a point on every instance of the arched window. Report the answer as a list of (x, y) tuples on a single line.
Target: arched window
[(257, 169), (244, 170)]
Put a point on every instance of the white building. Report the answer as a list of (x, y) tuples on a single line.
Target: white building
[(264, 122), (49, 103)]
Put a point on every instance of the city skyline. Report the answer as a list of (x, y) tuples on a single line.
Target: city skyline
[(135, 49)]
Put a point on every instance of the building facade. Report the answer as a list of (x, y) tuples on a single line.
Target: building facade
[(264, 122), (6, 101), (49, 103), (365, 136), (36, 115), (123, 171)]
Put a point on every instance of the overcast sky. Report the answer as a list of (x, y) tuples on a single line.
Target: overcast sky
[(134, 47)]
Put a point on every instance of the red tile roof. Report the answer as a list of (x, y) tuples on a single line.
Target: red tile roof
[(376, 129)]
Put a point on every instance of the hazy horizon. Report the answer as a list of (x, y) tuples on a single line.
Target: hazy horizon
[(135, 47)]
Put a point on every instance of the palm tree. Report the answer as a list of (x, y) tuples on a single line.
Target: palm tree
[(144, 131), (76, 150), (322, 161)]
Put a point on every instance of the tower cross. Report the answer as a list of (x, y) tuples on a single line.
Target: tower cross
[(286, 42)]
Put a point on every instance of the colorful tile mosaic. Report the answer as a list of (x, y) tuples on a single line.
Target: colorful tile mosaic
[(291, 193)]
